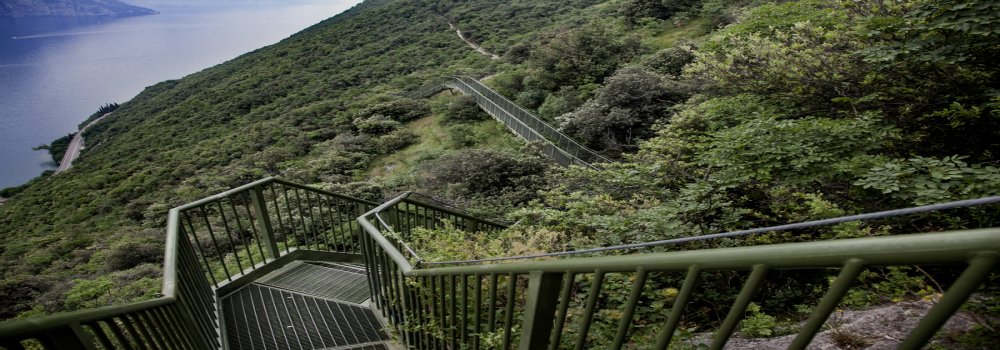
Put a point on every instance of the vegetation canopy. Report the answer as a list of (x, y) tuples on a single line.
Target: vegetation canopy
[(720, 116)]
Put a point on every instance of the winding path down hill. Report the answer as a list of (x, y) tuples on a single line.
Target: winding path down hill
[(471, 43), (73, 151)]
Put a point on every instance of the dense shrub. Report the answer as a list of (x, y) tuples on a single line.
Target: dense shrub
[(395, 141), (484, 172), (401, 110), (464, 109), (623, 111), (581, 56), (126, 255), (669, 61), (632, 11), (376, 125)]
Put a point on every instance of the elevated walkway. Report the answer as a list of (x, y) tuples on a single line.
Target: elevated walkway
[(278, 265), (304, 306), (553, 144)]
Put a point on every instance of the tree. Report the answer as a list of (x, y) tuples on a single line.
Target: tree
[(623, 111), (581, 56), (464, 109)]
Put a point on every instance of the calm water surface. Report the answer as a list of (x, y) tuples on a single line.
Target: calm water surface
[(53, 78)]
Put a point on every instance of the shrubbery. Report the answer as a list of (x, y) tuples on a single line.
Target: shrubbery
[(464, 109)]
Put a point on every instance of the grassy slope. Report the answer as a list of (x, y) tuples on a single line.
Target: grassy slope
[(435, 139)]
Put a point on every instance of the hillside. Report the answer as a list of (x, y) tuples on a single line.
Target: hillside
[(67, 8), (289, 109), (720, 115)]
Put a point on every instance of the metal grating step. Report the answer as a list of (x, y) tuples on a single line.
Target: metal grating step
[(340, 266), (372, 346), (266, 318), (330, 281)]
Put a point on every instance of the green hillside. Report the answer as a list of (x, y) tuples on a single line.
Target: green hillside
[(720, 115), (290, 109)]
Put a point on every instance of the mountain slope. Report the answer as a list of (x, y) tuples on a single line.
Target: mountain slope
[(290, 109), (69, 8)]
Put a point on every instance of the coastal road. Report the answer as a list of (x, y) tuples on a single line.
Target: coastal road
[(73, 151)]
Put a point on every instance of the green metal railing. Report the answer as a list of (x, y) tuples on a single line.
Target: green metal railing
[(221, 242), (425, 91), (556, 145), (557, 304), (214, 245)]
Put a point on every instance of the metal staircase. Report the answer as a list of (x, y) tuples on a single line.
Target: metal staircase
[(304, 305), (277, 265)]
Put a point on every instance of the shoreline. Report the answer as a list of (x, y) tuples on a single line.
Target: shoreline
[(72, 153), (76, 146)]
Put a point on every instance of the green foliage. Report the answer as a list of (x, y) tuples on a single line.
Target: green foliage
[(581, 56), (464, 109), (101, 111), (758, 324), (401, 110), (485, 172), (395, 141), (117, 288), (892, 284), (669, 62), (564, 101), (623, 111), (57, 148), (632, 11), (376, 125), (934, 31), (285, 110), (126, 255), (923, 180)]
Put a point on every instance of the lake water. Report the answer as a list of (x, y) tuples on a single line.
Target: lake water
[(55, 74)]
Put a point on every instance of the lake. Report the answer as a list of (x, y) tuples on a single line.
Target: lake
[(54, 74)]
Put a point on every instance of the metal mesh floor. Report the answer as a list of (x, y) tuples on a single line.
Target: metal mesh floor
[(374, 346), (324, 280), (261, 316)]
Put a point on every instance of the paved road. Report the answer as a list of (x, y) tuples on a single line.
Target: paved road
[(75, 146)]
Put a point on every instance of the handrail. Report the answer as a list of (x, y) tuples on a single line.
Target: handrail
[(912, 249), (424, 91), (430, 305), (523, 303), (562, 150), (537, 124), (210, 242), (739, 233)]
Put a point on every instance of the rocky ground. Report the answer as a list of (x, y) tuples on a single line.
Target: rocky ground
[(882, 327)]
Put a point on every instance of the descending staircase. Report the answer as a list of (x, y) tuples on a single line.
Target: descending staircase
[(305, 305), (278, 265)]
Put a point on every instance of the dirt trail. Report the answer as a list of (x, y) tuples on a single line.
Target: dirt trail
[(472, 44), (73, 151)]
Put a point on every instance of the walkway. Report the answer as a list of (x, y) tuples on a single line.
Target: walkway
[(73, 151), (475, 46), (305, 305)]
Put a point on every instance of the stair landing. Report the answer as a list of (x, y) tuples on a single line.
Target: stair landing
[(304, 306)]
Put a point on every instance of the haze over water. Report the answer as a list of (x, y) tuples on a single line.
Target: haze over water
[(52, 78)]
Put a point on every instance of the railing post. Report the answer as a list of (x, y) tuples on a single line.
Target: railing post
[(540, 308), (264, 222), (70, 337)]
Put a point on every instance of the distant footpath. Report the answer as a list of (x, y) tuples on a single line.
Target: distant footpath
[(27, 9)]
